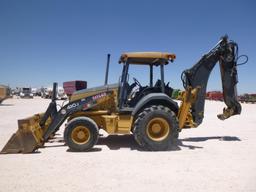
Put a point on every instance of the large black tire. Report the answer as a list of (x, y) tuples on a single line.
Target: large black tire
[(81, 134), (156, 128)]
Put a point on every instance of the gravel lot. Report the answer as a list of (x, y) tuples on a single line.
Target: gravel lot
[(217, 156)]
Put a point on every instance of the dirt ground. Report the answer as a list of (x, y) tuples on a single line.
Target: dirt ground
[(216, 156)]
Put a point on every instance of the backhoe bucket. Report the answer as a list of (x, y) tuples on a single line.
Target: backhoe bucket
[(28, 138)]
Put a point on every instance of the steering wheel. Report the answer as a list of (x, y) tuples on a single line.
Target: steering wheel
[(137, 82)]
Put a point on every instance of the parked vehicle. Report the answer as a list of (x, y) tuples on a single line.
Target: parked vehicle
[(46, 92), (176, 94), (71, 86), (247, 98), (33, 91), (214, 95), (26, 92)]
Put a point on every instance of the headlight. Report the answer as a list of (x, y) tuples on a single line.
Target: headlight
[(31, 94), (21, 94)]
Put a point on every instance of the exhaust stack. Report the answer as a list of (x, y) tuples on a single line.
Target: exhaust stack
[(107, 69)]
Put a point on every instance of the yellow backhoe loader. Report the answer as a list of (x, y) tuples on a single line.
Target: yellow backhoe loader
[(146, 111)]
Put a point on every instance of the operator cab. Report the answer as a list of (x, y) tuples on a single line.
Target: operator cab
[(129, 95)]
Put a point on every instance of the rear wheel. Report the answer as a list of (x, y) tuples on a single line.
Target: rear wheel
[(156, 128), (81, 134)]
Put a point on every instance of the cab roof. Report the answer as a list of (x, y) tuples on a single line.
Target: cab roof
[(147, 58)]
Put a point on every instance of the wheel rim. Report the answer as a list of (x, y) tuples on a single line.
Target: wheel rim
[(158, 129), (80, 135)]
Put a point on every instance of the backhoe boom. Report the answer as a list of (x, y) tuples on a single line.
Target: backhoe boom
[(197, 78)]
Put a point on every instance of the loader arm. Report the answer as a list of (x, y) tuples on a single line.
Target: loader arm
[(195, 81), (34, 131)]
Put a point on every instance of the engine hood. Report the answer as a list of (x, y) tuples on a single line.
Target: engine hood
[(92, 91)]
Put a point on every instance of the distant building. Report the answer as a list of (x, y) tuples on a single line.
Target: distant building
[(5, 92)]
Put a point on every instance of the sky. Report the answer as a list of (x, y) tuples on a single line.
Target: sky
[(46, 41)]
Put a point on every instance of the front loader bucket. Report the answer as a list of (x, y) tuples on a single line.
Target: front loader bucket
[(28, 138)]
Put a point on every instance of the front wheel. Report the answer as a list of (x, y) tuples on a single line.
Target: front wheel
[(156, 128), (81, 134)]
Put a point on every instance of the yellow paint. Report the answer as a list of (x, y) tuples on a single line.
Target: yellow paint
[(105, 114), (184, 114), (158, 129), (124, 124), (117, 124), (81, 95), (80, 135), (110, 123), (146, 57)]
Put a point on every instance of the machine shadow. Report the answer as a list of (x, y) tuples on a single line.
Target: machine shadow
[(95, 149), (6, 104), (55, 142), (202, 139), (116, 142)]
